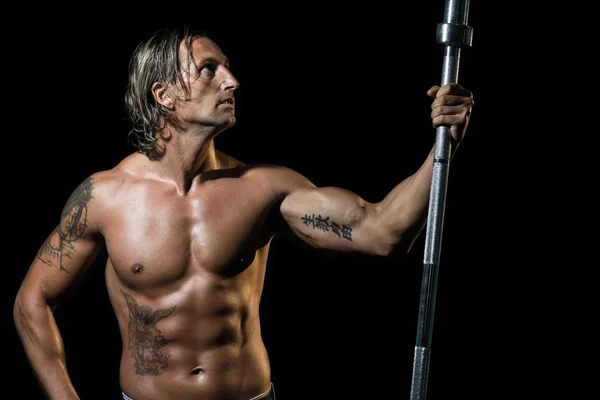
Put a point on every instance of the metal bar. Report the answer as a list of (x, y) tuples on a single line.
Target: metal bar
[(453, 33)]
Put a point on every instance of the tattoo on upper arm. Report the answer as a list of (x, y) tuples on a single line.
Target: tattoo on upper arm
[(145, 340), (326, 225), (73, 221)]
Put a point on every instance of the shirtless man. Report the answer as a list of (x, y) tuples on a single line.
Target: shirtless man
[(187, 231)]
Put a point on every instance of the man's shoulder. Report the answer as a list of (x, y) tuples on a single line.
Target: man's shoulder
[(105, 179), (255, 170), (270, 170), (275, 178), (279, 177), (114, 177), (106, 184)]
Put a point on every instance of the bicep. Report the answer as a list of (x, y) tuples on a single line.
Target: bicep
[(69, 249), (331, 218), (59, 262)]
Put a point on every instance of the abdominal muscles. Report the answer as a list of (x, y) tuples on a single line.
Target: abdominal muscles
[(199, 341)]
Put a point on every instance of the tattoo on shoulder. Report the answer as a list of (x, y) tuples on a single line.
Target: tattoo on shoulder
[(145, 340), (326, 225), (73, 222)]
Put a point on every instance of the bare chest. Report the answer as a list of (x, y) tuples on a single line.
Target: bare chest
[(164, 237)]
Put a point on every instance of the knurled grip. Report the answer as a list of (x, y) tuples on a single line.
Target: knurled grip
[(420, 373)]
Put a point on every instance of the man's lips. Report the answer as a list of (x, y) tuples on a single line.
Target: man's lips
[(229, 101)]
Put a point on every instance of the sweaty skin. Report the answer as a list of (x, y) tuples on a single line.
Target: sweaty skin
[(190, 318), (187, 236)]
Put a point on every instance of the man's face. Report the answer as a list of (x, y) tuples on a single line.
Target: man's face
[(212, 85)]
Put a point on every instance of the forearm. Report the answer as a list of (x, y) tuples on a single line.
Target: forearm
[(402, 213), (43, 346), (404, 210)]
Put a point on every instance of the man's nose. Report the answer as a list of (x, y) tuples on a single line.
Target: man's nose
[(230, 83)]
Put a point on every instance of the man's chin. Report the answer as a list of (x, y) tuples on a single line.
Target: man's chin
[(222, 124), (229, 123)]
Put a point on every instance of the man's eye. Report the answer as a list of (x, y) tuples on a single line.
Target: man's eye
[(207, 70)]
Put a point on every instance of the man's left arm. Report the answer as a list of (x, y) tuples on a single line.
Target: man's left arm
[(338, 219)]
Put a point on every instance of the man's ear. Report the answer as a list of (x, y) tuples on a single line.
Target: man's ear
[(162, 96)]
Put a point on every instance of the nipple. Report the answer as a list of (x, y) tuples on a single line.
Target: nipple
[(137, 268)]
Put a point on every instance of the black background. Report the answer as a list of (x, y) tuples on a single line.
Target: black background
[(339, 94)]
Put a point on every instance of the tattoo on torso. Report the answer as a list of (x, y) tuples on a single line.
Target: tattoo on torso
[(71, 228), (145, 340)]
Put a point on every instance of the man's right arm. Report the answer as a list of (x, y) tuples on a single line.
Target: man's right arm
[(65, 255)]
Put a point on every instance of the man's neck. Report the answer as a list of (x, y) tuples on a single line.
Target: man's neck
[(185, 156)]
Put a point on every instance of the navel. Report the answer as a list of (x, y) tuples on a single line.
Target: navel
[(197, 371), (137, 268)]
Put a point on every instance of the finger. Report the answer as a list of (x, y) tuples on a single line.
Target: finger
[(454, 89), (432, 92), (449, 116), (451, 101), (447, 120)]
